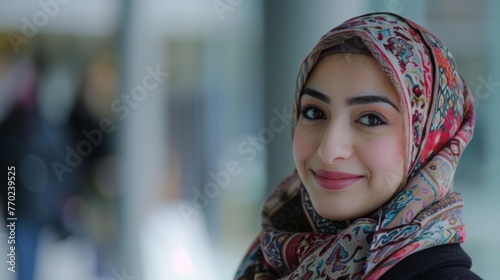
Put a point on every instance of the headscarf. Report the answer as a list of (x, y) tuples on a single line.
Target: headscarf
[(297, 243)]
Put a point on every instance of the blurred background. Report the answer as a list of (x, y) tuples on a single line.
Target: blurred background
[(145, 135)]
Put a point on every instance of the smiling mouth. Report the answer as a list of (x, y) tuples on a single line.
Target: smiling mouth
[(333, 180)]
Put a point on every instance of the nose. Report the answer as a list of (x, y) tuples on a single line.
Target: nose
[(336, 142)]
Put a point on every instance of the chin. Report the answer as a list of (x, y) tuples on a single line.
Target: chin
[(340, 214), (332, 214)]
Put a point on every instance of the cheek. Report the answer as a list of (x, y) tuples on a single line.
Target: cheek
[(303, 147), (384, 158)]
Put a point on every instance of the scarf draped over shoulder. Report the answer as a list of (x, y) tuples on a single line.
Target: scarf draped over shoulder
[(296, 243)]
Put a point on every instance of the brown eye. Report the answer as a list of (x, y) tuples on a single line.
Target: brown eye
[(312, 113), (372, 119)]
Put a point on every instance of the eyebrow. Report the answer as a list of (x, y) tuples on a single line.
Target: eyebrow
[(359, 100), (369, 99), (316, 94)]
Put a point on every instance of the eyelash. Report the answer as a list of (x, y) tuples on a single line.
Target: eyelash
[(304, 110), (380, 120)]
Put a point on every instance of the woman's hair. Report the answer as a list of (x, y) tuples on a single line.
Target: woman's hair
[(350, 46)]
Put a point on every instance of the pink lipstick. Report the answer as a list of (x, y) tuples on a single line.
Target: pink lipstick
[(333, 180)]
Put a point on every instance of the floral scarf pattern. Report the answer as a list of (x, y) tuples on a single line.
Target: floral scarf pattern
[(297, 243)]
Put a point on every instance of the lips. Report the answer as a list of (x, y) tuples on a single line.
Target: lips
[(333, 180)]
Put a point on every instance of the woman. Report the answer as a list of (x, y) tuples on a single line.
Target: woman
[(382, 117)]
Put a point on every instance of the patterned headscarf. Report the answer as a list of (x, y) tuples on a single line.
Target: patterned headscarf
[(297, 243)]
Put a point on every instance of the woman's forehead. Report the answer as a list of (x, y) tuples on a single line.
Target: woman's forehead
[(353, 74)]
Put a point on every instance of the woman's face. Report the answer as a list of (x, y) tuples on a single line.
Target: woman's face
[(348, 142)]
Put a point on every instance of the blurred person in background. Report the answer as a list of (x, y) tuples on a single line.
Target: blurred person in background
[(381, 119), (66, 185), (30, 142)]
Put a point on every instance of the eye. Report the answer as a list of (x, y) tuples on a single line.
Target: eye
[(372, 119), (312, 113)]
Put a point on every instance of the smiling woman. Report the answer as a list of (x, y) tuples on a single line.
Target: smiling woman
[(382, 118), (348, 142)]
